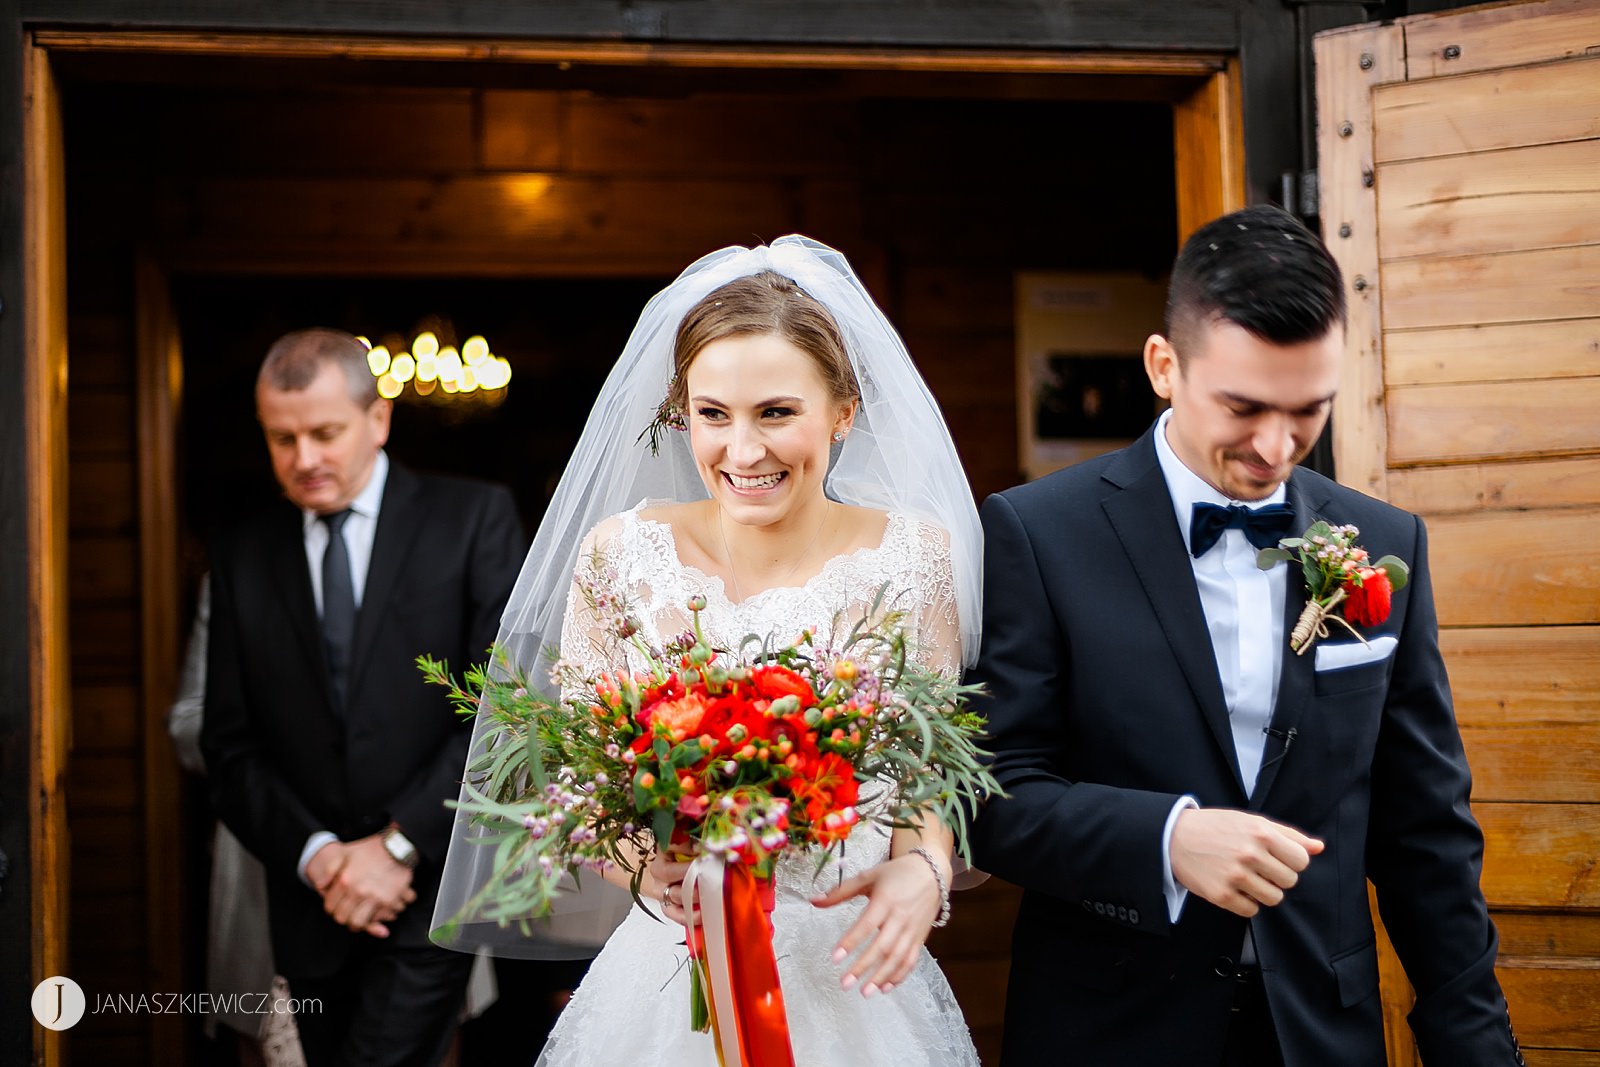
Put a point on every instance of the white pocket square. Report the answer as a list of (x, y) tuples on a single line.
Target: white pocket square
[(1344, 654)]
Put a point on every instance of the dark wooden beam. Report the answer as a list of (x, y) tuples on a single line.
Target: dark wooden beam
[(1196, 25)]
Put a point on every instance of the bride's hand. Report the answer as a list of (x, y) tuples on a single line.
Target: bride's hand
[(902, 903), (666, 882)]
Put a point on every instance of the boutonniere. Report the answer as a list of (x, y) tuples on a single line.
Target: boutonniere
[(1337, 573)]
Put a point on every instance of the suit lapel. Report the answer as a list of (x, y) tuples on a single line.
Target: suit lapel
[(399, 519), (1141, 515), (290, 576), (1297, 680)]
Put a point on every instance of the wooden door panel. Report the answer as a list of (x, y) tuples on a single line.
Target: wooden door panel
[(1462, 199)]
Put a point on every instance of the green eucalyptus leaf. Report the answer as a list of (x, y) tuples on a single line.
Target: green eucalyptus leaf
[(1395, 567), (1268, 558)]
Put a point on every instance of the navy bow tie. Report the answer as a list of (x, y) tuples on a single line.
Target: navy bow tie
[(1264, 526)]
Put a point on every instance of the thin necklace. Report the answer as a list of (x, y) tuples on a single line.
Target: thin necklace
[(728, 555)]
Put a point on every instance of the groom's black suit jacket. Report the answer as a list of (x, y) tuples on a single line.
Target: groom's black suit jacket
[(1105, 706), (284, 762)]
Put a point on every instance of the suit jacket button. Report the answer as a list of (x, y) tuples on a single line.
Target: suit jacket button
[(1133, 915), (1122, 913), (1088, 905), (1224, 967), (1099, 908)]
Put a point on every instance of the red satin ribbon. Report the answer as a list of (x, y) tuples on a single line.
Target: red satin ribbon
[(735, 945)]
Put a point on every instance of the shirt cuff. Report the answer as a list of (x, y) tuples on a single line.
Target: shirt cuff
[(1175, 893), (315, 842)]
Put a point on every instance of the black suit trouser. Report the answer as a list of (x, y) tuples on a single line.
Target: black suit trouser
[(388, 1006)]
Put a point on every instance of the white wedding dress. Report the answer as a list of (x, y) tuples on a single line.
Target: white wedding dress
[(633, 1007)]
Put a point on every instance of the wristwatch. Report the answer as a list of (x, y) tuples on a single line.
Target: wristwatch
[(399, 847)]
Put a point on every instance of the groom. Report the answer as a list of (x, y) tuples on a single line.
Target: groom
[(1194, 810)]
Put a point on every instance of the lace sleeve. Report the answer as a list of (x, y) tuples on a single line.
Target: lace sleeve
[(584, 643), (938, 617)]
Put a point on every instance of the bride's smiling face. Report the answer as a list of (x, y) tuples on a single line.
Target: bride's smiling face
[(761, 420)]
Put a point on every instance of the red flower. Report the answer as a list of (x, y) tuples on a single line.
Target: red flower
[(1369, 593), (681, 717), (774, 682)]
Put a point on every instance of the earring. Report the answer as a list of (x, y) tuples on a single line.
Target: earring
[(838, 437)]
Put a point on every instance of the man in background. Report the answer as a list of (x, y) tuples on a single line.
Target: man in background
[(329, 757)]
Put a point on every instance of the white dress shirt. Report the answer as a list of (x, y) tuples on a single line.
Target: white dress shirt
[(358, 532), (1244, 612)]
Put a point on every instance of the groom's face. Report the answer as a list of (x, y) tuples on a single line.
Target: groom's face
[(1244, 410)]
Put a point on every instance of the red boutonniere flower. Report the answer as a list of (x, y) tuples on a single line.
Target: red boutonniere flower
[(1337, 572)]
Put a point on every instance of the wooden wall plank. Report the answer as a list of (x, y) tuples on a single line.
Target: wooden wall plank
[(333, 130), (522, 130), (103, 567), (1524, 675), (105, 782), (1499, 569), (1553, 29), (1489, 110), (1541, 855), (631, 137), (1549, 283), (103, 495), (105, 717), (1566, 933), (1533, 197), (1534, 763), (1543, 483), (1496, 420), (1348, 65), (1553, 1001), (1567, 348), (99, 422), (1559, 1057)]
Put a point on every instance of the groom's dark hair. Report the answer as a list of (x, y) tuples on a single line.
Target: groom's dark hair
[(1259, 269)]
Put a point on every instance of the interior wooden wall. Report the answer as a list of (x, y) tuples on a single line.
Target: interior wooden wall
[(937, 197), (1475, 401)]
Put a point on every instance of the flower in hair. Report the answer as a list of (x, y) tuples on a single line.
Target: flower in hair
[(668, 417)]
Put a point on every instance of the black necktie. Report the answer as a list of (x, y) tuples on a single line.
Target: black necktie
[(338, 601), (1263, 527)]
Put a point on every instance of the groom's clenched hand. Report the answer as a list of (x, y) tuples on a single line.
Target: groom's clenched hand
[(1236, 859)]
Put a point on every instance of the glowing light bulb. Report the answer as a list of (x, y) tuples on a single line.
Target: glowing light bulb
[(449, 364), (403, 368), (424, 386), (427, 368), (426, 344), (475, 350), (378, 360), (388, 388), (469, 380)]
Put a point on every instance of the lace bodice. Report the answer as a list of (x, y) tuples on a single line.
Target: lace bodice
[(632, 1006), (638, 558)]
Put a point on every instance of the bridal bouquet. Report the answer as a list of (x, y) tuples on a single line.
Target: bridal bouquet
[(733, 755)]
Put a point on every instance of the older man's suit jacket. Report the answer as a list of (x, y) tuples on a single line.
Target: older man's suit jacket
[(1106, 706), (284, 761)]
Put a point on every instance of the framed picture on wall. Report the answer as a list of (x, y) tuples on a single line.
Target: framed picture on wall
[(1081, 386), (1080, 395)]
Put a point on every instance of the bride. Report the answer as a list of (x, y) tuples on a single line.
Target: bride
[(812, 471)]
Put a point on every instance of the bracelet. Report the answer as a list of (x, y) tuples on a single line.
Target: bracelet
[(938, 879)]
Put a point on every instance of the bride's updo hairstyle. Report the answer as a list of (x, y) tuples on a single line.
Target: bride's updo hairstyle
[(763, 303)]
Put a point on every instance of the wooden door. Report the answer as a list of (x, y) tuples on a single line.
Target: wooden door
[(1460, 170)]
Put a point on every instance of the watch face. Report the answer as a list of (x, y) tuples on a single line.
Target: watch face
[(401, 849)]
